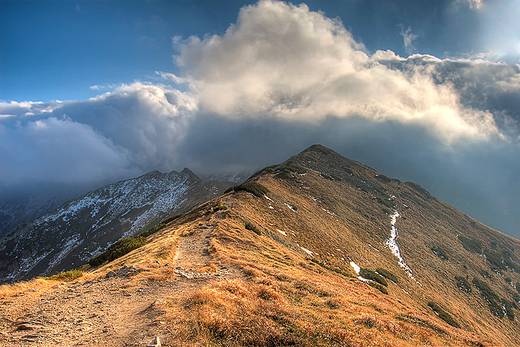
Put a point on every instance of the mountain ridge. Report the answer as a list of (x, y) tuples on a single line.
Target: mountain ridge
[(309, 252), (84, 226)]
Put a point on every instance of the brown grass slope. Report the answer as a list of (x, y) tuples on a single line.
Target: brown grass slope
[(222, 284)]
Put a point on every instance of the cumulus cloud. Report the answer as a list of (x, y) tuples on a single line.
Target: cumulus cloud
[(58, 150), (125, 132), (284, 61)]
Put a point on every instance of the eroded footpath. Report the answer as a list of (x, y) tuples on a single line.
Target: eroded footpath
[(122, 308)]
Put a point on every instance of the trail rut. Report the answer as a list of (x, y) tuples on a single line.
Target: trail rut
[(113, 311)]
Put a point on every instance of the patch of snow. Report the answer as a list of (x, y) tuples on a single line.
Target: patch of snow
[(268, 198), (374, 247), (282, 232), (358, 269), (355, 267), (331, 213), (307, 251), (289, 206), (391, 243)]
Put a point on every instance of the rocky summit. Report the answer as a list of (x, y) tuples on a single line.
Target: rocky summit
[(317, 251)]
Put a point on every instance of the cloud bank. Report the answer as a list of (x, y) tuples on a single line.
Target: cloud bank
[(281, 78)]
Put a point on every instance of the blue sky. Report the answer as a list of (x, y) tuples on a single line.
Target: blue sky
[(59, 49), (92, 92)]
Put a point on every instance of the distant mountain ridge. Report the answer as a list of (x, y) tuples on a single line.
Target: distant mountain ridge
[(13, 212), (70, 235)]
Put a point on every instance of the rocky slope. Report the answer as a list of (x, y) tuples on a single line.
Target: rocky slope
[(16, 211), (69, 236), (317, 251)]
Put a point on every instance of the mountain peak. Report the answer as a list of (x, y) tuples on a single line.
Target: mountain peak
[(319, 149), (190, 173), (333, 253)]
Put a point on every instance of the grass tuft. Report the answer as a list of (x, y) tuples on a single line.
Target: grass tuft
[(67, 276), (445, 316), (387, 274)]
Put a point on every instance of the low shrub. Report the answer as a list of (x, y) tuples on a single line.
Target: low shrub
[(445, 316), (68, 276), (172, 218), (153, 230), (251, 187), (463, 284), (387, 274), (253, 228), (332, 268), (511, 265), (373, 276), (297, 169), (118, 249), (159, 226), (378, 287), (508, 307), (382, 178), (471, 245), (441, 253), (485, 274), (490, 296), (495, 259), (219, 208), (485, 290)]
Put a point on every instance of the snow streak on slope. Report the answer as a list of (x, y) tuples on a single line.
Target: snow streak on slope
[(391, 243)]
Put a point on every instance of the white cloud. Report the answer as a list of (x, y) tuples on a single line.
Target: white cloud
[(408, 38), (26, 108), (58, 150), (473, 4), (172, 77), (284, 61), (125, 132)]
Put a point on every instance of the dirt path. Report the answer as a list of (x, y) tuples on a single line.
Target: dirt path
[(115, 310)]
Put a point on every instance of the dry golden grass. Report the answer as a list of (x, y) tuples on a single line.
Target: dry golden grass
[(289, 297), (25, 288)]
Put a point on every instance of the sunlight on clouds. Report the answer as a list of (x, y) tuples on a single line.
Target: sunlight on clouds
[(284, 61), (281, 65), (116, 134)]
